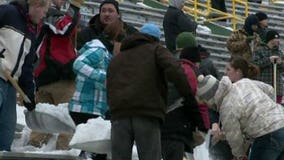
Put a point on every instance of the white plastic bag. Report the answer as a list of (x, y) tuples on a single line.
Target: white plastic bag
[(201, 152), (93, 136)]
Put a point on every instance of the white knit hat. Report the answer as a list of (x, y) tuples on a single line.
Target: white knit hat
[(207, 87)]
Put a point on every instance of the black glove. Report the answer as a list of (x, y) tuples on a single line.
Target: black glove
[(194, 114), (30, 106)]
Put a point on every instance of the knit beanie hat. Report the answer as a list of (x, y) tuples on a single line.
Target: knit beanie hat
[(206, 88), (261, 16), (249, 21), (185, 39), (271, 35), (113, 2), (151, 29), (191, 53)]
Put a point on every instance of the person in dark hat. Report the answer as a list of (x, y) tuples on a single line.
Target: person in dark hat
[(262, 24), (108, 13), (244, 41), (267, 54)]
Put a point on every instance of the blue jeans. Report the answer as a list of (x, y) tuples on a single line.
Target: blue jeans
[(8, 116), (269, 146)]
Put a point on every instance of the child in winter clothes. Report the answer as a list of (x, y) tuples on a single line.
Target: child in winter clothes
[(247, 111), (89, 99), (181, 119)]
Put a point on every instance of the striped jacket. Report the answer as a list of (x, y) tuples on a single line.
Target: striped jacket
[(90, 67), (247, 109), (261, 59)]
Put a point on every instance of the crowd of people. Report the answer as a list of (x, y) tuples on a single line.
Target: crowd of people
[(163, 98)]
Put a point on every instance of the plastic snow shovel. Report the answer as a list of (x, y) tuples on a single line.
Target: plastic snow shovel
[(45, 120), (50, 119)]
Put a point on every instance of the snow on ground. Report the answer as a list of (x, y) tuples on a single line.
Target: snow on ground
[(84, 132)]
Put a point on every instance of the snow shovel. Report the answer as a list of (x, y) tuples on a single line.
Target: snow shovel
[(17, 87), (50, 119), (275, 80), (44, 120)]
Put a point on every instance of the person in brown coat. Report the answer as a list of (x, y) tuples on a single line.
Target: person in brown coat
[(137, 93)]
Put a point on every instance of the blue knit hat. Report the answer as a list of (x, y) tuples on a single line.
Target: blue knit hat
[(151, 29)]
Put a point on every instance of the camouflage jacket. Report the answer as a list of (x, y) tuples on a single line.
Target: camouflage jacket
[(240, 44)]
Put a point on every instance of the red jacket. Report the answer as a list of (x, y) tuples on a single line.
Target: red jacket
[(57, 42)]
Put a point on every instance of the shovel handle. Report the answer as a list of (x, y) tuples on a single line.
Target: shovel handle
[(16, 85)]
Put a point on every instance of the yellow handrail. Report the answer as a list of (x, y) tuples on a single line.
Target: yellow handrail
[(208, 9)]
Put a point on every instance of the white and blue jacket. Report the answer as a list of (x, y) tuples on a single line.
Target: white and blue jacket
[(17, 38), (90, 68)]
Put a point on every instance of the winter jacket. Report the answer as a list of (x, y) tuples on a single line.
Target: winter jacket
[(90, 68), (57, 50), (136, 79), (262, 60), (95, 31), (17, 40), (241, 44), (182, 119), (247, 110), (174, 23)]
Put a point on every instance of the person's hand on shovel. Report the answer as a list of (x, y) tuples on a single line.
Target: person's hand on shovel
[(29, 102), (30, 105)]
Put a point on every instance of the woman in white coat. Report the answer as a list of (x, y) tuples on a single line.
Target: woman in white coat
[(247, 111)]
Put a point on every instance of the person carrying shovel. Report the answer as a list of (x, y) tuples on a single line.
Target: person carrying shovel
[(18, 21), (266, 57)]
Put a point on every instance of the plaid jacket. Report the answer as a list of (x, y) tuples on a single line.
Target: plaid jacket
[(247, 109), (261, 58), (90, 67)]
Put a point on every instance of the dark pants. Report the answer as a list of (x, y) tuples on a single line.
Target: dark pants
[(269, 146), (144, 131), (172, 149)]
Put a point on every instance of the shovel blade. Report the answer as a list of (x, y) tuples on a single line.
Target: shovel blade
[(47, 123)]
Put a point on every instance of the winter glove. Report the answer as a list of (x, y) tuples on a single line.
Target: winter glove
[(77, 3), (30, 106), (195, 115)]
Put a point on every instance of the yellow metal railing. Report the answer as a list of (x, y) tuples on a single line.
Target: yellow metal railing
[(277, 1), (205, 10)]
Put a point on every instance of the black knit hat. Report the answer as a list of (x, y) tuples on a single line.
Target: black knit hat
[(113, 2), (261, 16), (190, 53), (271, 35)]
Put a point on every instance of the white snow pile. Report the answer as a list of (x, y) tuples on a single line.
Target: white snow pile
[(98, 142), (50, 119), (94, 136)]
